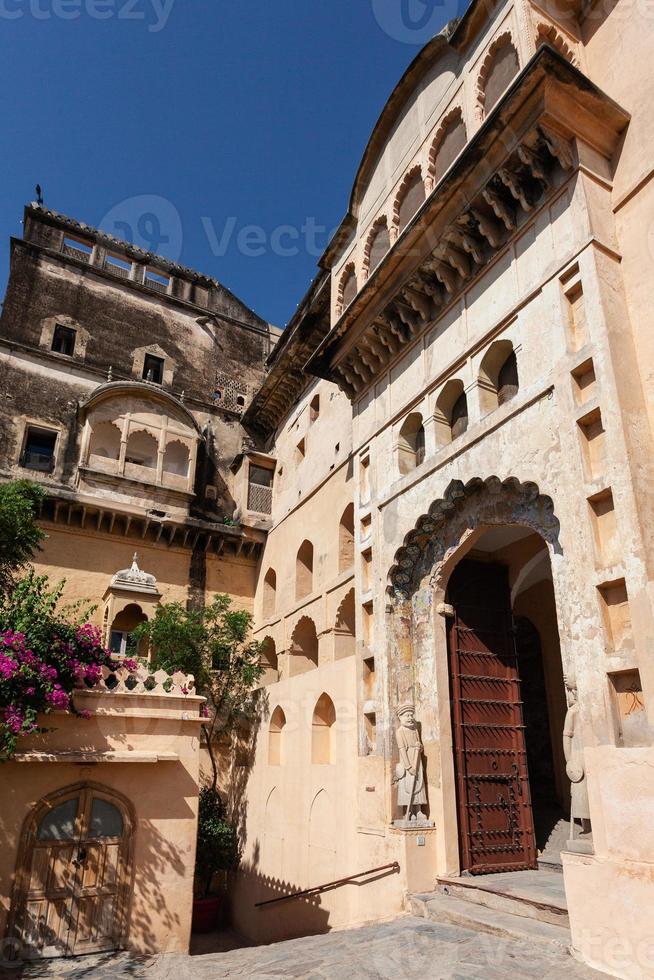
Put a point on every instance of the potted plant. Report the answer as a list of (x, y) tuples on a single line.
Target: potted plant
[(217, 852)]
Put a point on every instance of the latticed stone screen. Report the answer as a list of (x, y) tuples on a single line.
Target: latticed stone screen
[(260, 499), (231, 393), (260, 489)]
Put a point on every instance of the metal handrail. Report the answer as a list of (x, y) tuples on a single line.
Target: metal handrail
[(317, 889)]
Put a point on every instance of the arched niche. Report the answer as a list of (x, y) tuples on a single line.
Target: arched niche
[(451, 415), (269, 661), (499, 68), (345, 627), (411, 443), (450, 139), (410, 197), (269, 593), (324, 716), (498, 376), (377, 244), (304, 570), (346, 539), (304, 647), (347, 287), (276, 737)]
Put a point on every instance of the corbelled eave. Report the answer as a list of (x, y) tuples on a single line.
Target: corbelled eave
[(510, 165), (286, 378)]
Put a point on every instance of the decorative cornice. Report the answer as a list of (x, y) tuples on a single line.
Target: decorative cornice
[(511, 164)]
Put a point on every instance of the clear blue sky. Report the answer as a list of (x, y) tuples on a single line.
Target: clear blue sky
[(213, 115)]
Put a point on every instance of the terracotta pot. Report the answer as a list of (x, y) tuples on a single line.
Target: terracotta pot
[(207, 913)]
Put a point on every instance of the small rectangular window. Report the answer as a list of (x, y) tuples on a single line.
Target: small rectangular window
[(118, 267), (153, 369), (39, 451), (63, 340), (154, 280), (77, 249)]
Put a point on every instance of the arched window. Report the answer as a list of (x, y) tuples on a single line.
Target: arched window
[(304, 570), (324, 716), (500, 66), (378, 244), (121, 640), (304, 647), (269, 661), (276, 737), (498, 375), (507, 379), (411, 444), (410, 196), (105, 441), (451, 412), (176, 459), (314, 409), (142, 450), (347, 289), (345, 628), (449, 142), (269, 593), (346, 539)]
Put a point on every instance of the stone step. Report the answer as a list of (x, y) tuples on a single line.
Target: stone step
[(528, 894), (479, 918)]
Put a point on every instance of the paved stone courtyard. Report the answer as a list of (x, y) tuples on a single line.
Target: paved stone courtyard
[(406, 949)]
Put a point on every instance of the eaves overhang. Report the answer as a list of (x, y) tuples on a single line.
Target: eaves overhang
[(507, 167), (286, 378)]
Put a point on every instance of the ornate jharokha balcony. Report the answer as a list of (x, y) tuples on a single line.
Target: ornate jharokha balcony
[(130, 715)]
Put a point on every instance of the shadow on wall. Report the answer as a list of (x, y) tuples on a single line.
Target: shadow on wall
[(303, 916)]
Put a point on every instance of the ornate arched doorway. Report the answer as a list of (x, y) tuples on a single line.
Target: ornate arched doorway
[(473, 597), (73, 873)]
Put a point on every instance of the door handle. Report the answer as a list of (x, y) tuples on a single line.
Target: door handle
[(81, 858)]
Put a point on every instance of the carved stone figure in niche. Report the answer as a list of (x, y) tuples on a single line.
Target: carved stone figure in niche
[(409, 771), (573, 749)]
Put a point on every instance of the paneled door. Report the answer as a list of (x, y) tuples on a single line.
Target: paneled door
[(496, 829), (74, 876)]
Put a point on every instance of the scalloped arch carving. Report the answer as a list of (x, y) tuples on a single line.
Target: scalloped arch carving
[(450, 122), (548, 34), (371, 251), (412, 177), (462, 508), (505, 38), (347, 287)]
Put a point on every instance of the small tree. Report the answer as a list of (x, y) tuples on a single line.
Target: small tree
[(217, 848), (212, 644), (20, 536)]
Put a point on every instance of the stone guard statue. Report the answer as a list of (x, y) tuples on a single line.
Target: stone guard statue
[(573, 750), (409, 771)]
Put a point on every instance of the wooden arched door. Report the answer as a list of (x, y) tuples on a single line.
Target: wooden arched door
[(72, 881), (496, 829)]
